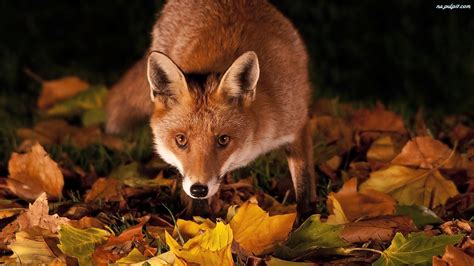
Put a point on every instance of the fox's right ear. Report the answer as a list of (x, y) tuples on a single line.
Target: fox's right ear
[(167, 81)]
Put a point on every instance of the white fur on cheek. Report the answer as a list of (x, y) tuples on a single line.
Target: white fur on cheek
[(168, 156), (187, 186)]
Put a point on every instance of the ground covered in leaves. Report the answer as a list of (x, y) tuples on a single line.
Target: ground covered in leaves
[(392, 191)]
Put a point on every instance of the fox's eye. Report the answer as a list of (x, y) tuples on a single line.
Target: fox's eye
[(223, 140), (181, 140)]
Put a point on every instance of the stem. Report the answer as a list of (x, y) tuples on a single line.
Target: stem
[(181, 239), (365, 249)]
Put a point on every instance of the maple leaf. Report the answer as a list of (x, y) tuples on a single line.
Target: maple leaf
[(190, 229), (411, 186), (34, 173), (454, 257), (53, 91), (416, 248), (426, 152), (213, 247), (250, 226), (35, 216), (350, 205)]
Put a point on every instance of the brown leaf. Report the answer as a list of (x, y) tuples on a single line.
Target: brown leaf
[(382, 150), (53, 91), (454, 257), (334, 130), (53, 131), (379, 120), (36, 215), (88, 222), (117, 247), (379, 228), (34, 173), (106, 189), (356, 205), (426, 152)]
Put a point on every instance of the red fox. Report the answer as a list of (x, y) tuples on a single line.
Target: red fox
[(223, 82)]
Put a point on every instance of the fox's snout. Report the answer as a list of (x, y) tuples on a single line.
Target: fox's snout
[(199, 190)]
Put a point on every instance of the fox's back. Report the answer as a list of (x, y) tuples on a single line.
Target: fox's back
[(207, 36)]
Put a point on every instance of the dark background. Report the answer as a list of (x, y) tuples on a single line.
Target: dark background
[(406, 54)]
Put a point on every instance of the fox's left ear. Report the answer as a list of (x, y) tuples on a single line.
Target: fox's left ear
[(240, 80)]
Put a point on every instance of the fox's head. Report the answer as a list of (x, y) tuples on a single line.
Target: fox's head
[(202, 122)]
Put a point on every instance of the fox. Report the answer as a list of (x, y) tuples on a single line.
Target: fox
[(222, 83)]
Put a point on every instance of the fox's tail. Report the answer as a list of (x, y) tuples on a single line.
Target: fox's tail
[(128, 102)]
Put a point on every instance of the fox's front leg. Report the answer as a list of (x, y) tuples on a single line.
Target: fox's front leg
[(300, 161)]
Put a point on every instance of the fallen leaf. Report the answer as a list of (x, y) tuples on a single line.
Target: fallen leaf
[(35, 216), (34, 173), (48, 132), (411, 186), (190, 229), (117, 247), (30, 247), (81, 243), (135, 256), (106, 189), (454, 257), (382, 150), (421, 215), (91, 99), (250, 227), (164, 259), (379, 228), (312, 234), (334, 130), (456, 226), (213, 247), (356, 205), (426, 152), (53, 91), (378, 120), (416, 248), (278, 262)]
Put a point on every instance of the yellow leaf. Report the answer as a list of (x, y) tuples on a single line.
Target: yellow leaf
[(213, 247), (337, 214), (256, 231), (382, 150), (30, 247), (348, 204), (190, 229), (412, 186), (53, 91), (34, 173), (164, 259)]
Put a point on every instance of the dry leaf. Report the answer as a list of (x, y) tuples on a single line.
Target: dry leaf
[(34, 173), (30, 247), (251, 228), (378, 228), (106, 189), (378, 120), (53, 91), (412, 186), (117, 247), (426, 152), (36, 215), (334, 130), (454, 257), (382, 150), (356, 205)]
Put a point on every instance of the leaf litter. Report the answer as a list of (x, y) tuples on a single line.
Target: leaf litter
[(389, 194)]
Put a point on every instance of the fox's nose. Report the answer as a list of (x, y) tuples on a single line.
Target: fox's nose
[(199, 190)]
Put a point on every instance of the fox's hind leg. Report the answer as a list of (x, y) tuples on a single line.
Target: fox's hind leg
[(300, 161)]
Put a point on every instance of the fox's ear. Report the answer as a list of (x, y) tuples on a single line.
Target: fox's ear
[(240, 80), (167, 81)]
